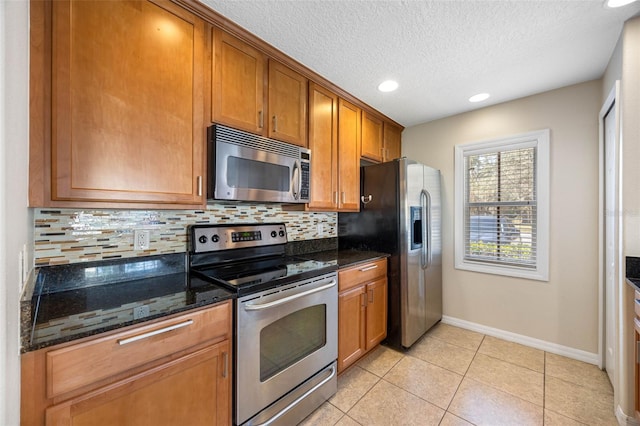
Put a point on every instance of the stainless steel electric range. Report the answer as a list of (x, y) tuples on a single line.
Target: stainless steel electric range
[(286, 330)]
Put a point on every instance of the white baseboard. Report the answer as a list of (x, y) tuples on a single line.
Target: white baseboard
[(624, 420), (580, 355)]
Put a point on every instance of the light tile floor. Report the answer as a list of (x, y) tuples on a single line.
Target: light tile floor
[(456, 377)]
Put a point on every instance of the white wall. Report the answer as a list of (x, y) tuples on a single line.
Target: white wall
[(630, 95), (15, 218), (564, 310), (613, 71)]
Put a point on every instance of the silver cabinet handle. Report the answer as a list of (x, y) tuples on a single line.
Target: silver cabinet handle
[(260, 119), (335, 196), (260, 306), (275, 123), (344, 197), (225, 368), (368, 268), (154, 332), (199, 186)]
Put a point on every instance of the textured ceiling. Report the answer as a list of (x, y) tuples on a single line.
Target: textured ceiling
[(440, 52)]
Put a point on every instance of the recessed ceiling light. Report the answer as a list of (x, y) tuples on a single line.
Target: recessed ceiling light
[(618, 3), (479, 97), (388, 86)]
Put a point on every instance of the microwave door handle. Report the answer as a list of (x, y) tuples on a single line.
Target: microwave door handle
[(296, 177)]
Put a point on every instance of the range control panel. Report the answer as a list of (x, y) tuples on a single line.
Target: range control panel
[(206, 238)]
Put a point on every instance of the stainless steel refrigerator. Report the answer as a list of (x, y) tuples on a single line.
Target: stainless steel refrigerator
[(400, 214)]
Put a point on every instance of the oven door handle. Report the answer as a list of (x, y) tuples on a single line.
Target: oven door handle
[(260, 306)]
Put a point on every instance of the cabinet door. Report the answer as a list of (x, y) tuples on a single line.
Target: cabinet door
[(392, 141), (192, 390), (376, 312), (351, 326), (127, 116), (287, 104), (349, 135), (238, 84), (371, 137), (323, 142), (637, 358)]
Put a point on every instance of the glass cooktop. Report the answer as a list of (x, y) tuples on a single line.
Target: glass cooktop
[(256, 275)]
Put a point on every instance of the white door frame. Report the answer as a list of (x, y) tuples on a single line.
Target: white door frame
[(613, 99)]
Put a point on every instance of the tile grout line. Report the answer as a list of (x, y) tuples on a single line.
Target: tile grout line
[(460, 384)]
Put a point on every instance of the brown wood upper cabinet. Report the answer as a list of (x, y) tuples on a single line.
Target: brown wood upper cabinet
[(392, 141), (335, 154), (127, 116), (253, 93), (349, 137), (372, 136), (287, 104), (238, 93), (323, 143)]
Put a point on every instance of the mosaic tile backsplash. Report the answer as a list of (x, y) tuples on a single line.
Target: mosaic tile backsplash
[(74, 235)]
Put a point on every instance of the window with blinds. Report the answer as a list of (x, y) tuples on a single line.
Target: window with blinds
[(498, 206)]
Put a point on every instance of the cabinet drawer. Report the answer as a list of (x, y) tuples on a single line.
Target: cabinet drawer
[(362, 273), (85, 363)]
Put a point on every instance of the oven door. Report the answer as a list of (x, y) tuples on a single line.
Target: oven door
[(284, 336)]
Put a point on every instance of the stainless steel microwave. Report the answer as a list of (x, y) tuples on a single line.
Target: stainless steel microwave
[(247, 167)]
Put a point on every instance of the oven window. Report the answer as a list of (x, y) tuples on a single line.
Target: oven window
[(251, 174), (288, 340)]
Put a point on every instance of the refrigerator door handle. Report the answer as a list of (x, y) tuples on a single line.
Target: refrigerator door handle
[(425, 253)]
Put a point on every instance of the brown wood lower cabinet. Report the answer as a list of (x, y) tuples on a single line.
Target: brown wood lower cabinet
[(174, 371), (636, 324), (362, 310), (191, 390)]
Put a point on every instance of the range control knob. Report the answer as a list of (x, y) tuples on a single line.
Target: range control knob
[(274, 234), (202, 239), (215, 238), (281, 233)]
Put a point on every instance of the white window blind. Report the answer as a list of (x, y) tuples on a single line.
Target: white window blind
[(500, 207), (501, 212)]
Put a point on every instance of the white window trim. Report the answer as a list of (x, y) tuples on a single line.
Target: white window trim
[(539, 138)]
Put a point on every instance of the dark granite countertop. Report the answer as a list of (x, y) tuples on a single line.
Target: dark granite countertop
[(632, 271), (345, 258), (68, 302)]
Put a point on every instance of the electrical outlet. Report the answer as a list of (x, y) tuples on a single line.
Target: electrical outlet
[(141, 239), (140, 312)]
